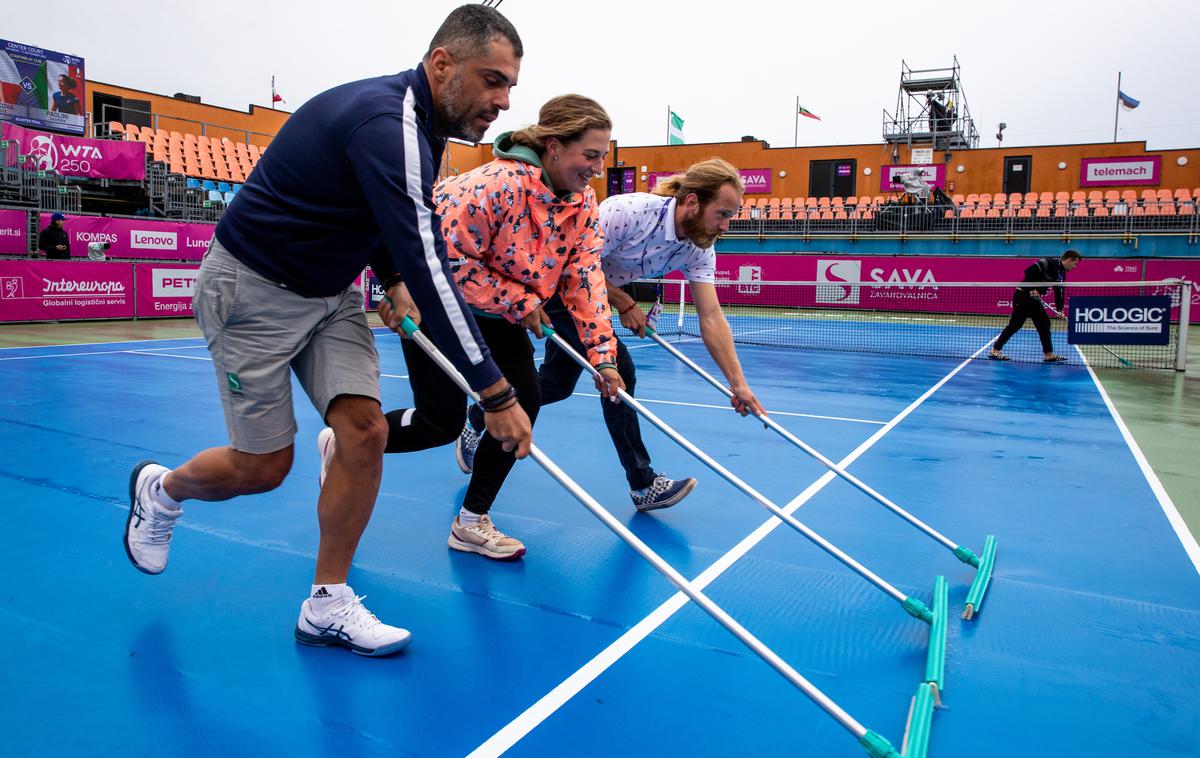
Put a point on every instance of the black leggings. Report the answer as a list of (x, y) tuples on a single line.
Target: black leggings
[(558, 376), (440, 407), (1026, 307)]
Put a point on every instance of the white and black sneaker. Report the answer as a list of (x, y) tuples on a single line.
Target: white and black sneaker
[(662, 493), (350, 625), (149, 525)]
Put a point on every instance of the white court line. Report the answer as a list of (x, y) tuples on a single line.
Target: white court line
[(96, 352), (89, 344), (164, 355), (727, 408), (1164, 500), (572, 685)]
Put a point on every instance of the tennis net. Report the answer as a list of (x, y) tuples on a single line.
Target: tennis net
[(1110, 324)]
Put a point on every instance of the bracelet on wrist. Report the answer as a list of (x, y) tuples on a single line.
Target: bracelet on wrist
[(504, 407), (627, 308), (500, 398)]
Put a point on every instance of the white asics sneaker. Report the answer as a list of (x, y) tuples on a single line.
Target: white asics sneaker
[(352, 626), (326, 444), (148, 527), (484, 538)]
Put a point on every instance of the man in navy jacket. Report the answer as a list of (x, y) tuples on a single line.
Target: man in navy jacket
[(349, 177)]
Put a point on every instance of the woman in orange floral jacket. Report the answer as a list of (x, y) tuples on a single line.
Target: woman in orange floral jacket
[(521, 229)]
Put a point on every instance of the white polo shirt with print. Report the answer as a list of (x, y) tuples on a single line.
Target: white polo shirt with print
[(640, 241)]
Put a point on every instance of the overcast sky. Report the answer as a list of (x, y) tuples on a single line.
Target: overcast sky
[(1048, 69)]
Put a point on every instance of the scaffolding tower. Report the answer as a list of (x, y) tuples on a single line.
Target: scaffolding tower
[(931, 110)]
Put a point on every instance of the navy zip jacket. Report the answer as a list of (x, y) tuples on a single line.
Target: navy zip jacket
[(349, 178), (1046, 271)]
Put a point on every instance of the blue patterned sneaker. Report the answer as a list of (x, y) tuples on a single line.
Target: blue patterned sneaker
[(662, 493), (464, 449)]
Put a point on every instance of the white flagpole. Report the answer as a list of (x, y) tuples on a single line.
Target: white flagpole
[(1117, 117)]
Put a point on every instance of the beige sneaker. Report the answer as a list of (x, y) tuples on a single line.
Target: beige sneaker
[(484, 538)]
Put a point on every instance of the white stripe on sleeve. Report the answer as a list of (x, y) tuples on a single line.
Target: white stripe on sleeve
[(445, 291)]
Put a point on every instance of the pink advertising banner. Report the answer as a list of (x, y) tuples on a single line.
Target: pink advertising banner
[(1177, 269), (79, 156), (54, 290), (757, 180), (164, 289), (934, 174), (1111, 172), (12, 232), (136, 238), (914, 280)]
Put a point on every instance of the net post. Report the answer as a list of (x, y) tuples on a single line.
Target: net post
[(679, 325), (1185, 316)]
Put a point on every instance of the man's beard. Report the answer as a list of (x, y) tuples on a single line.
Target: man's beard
[(694, 229), (454, 116)]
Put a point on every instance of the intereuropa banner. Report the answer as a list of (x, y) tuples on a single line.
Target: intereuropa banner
[(41, 88), (60, 290), (78, 156), (136, 238)]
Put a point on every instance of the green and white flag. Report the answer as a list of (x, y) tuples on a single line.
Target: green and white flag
[(674, 129)]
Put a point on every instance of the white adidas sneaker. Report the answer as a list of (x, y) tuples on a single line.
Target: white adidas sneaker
[(149, 525), (350, 625), (326, 444)]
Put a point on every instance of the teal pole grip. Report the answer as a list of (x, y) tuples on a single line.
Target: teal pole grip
[(408, 326)]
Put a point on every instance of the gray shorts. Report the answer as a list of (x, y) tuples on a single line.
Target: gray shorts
[(259, 333)]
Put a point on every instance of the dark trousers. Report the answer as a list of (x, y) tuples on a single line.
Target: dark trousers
[(436, 417), (1026, 307), (558, 376)]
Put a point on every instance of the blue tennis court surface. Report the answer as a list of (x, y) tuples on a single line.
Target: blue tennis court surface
[(1087, 644)]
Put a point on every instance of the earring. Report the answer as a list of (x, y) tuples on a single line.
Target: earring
[(556, 159)]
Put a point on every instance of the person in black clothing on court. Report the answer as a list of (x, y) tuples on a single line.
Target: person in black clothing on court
[(53, 240), (1027, 303)]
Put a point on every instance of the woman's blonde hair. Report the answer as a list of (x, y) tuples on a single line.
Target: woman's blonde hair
[(705, 179), (565, 118)]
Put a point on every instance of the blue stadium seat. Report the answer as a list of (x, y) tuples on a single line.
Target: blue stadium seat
[(228, 197), (223, 187), (193, 183), (215, 196), (208, 185), (237, 188)]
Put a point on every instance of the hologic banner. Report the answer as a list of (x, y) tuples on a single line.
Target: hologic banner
[(79, 156), (757, 180), (136, 238), (164, 289), (1126, 320), (41, 88), (58, 290), (12, 232)]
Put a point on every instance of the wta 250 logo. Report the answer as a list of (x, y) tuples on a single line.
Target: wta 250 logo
[(44, 153), (844, 276), (66, 158)]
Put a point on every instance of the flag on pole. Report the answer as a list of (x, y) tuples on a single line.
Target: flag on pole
[(674, 129), (1127, 102), (806, 112), (275, 96)]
